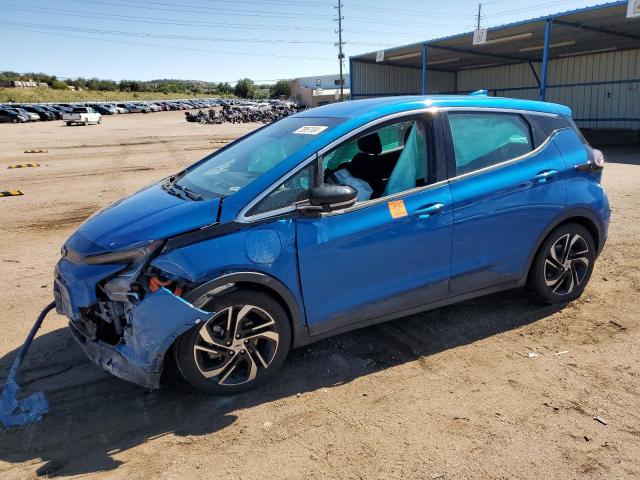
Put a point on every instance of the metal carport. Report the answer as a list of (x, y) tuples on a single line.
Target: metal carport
[(588, 59)]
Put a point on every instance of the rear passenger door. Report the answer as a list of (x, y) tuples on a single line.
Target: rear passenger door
[(506, 189)]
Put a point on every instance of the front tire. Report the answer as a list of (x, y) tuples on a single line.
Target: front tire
[(563, 265), (240, 346)]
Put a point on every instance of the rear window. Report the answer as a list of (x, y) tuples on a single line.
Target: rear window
[(79, 110), (484, 139)]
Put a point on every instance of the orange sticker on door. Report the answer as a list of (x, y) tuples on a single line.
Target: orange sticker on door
[(397, 209)]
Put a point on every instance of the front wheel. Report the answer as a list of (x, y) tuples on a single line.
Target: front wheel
[(563, 265), (240, 346)]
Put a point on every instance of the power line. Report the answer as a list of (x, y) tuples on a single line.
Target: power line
[(202, 9), (45, 32), (171, 36), (160, 21)]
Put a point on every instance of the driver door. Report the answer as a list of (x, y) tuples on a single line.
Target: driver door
[(384, 256)]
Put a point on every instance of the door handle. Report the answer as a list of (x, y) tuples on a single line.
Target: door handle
[(429, 210), (545, 176)]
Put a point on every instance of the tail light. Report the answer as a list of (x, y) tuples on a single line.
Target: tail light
[(597, 157), (595, 162)]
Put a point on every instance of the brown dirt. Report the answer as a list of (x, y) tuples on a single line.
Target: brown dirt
[(446, 394)]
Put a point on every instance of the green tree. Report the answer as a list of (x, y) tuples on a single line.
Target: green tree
[(59, 84), (245, 88), (280, 88)]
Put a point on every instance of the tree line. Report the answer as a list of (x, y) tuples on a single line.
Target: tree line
[(244, 88)]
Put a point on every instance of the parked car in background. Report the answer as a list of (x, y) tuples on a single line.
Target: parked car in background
[(142, 107), (41, 112), (82, 115), (7, 115), (33, 117), (102, 109), (56, 112)]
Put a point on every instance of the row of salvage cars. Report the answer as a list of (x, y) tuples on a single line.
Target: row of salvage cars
[(22, 113)]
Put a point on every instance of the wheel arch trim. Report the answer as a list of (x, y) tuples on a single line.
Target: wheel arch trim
[(581, 215), (265, 282)]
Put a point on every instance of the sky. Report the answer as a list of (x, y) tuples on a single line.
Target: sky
[(223, 41)]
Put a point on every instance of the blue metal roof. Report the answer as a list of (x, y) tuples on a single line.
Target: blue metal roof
[(600, 6), (377, 107)]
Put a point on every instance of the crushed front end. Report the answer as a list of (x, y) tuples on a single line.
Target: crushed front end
[(123, 313)]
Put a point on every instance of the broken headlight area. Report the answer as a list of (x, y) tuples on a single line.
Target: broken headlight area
[(131, 255)]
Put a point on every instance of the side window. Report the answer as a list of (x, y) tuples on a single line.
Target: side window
[(383, 162), (484, 139), (294, 189)]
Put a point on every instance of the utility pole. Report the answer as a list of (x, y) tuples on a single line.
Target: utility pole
[(479, 14), (340, 44)]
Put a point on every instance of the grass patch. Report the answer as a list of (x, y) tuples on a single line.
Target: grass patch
[(47, 95)]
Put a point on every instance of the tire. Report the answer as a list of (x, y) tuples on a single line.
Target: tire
[(86, 122), (69, 123), (14, 120), (213, 361), (563, 265), (99, 120)]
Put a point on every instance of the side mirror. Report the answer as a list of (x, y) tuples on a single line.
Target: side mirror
[(330, 197)]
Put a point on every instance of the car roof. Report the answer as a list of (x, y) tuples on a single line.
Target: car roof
[(388, 105)]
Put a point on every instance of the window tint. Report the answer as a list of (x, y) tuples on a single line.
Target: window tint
[(552, 123), (294, 189), (484, 139)]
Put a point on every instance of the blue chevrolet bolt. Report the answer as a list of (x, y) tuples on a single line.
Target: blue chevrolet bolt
[(329, 220)]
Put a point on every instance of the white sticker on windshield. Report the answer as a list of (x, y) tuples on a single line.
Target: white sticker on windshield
[(310, 130)]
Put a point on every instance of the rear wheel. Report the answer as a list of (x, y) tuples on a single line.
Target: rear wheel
[(239, 347), (14, 120), (86, 122), (69, 123), (563, 265)]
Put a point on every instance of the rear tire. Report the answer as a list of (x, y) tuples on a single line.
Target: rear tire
[(69, 123), (563, 265), (239, 347), (86, 122), (14, 120)]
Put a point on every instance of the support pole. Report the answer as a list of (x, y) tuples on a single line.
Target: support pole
[(545, 59), (424, 69)]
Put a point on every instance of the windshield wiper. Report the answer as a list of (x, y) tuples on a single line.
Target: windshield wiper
[(191, 194), (187, 193)]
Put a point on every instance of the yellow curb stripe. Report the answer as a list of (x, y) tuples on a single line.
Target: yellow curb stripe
[(11, 193), (24, 165), (36, 150)]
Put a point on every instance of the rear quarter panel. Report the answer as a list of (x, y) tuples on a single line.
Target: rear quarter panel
[(584, 189)]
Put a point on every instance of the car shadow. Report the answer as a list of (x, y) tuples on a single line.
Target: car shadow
[(93, 415)]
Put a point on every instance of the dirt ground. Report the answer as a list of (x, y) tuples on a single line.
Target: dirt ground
[(449, 394)]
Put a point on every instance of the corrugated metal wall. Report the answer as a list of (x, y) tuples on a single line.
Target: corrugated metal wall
[(376, 80), (600, 101)]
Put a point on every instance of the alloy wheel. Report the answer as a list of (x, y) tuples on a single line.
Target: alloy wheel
[(235, 344), (566, 264)]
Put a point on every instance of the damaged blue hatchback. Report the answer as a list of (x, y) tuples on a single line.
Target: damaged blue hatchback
[(330, 220)]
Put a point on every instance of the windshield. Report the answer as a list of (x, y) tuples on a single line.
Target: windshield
[(228, 171)]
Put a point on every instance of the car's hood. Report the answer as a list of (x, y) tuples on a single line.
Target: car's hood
[(150, 214)]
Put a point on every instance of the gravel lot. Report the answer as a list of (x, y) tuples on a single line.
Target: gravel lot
[(452, 393)]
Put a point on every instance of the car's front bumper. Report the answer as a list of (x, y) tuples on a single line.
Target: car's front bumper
[(150, 326)]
